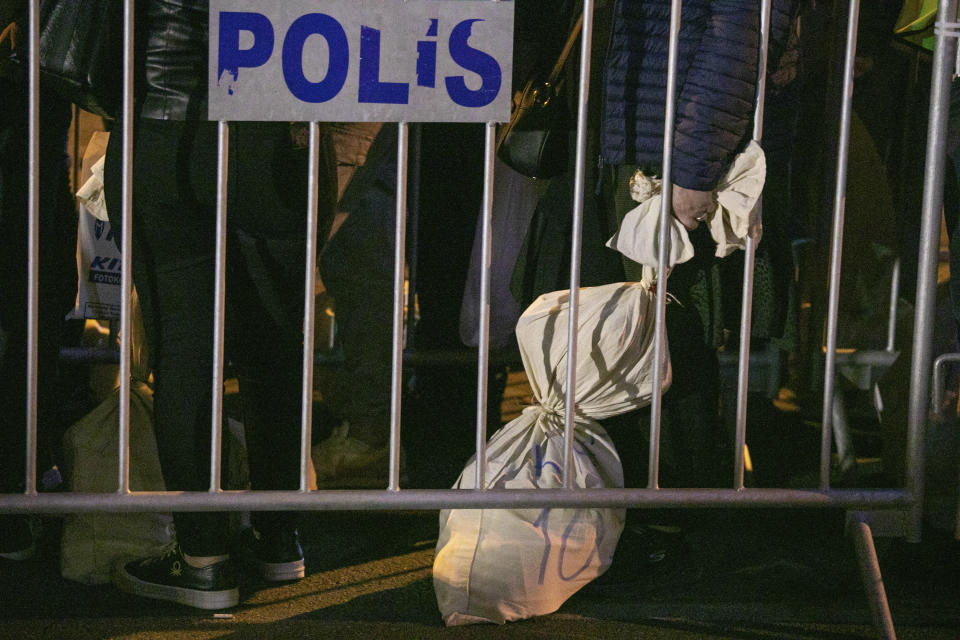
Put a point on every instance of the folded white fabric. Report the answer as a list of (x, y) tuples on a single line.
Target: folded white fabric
[(91, 193), (737, 194), (495, 565)]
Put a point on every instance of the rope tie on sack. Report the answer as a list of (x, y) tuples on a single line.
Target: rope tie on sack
[(543, 409)]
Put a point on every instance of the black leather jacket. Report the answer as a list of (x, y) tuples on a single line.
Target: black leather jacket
[(172, 37)]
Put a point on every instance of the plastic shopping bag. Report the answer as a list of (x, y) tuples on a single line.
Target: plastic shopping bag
[(497, 565), (98, 257)]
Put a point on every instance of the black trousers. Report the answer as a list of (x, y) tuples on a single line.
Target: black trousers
[(174, 202), (57, 268)]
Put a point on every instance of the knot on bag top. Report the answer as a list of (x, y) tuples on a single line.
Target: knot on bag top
[(738, 192), (553, 418), (615, 351)]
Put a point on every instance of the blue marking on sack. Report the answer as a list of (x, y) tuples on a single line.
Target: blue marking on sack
[(540, 463)]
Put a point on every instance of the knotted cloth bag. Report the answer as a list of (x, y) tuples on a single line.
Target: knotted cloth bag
[(497, 565), (737, 194)]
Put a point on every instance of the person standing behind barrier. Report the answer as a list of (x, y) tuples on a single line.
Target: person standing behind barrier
[(57, 272), (716, 86), (174, 217), (357, 268)]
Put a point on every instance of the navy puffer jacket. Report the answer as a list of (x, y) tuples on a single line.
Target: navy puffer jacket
[(716, 85)]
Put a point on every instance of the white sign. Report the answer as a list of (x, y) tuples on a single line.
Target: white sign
[(361, 60)]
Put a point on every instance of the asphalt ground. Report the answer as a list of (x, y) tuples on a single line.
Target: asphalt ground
[(752, 574)]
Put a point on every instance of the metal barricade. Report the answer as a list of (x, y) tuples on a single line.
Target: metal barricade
[(859, 502)]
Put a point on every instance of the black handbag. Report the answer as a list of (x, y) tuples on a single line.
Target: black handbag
[(534, 142), (81, 53)]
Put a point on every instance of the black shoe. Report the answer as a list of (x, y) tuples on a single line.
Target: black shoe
[(275, 555), (658, 549), (644, 552), (169, 577), (18, 537)]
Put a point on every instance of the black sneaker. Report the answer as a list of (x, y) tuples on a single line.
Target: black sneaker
[(18, 537), (169, 577), (275, 556), (645, 552)]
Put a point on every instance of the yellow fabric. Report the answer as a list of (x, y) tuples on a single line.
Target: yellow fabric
[(916, 15)]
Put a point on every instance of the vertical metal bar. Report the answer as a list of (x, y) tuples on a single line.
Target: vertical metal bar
[(219, 304), (666, 208), (872, 579), (938, 365), (586, 39), (927, 262), (758, 109), (126, 252), (743, 364), (483, 343), (33, 242), (894, 297), (309, 305), (749, 260), (399, 260), (836, 244)]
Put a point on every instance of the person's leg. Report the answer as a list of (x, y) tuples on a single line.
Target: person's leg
[(265, 302), (173, 260), (57, 287), (173, 255), (691, 431), (357, 267)]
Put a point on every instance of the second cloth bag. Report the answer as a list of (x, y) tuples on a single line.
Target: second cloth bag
[(496, 565)]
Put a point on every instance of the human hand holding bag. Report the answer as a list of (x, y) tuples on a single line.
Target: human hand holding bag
[(737, 194)]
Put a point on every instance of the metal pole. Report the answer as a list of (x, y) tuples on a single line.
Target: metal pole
[(219, 305), (836, 246), (483, 343), (399, 260), (33, 243), (943, 55), (894, 297), (872, 579), (666, 210), (756, 230), (570, 407), (938, 365), (126, 252), (309, 305), (419, 499)]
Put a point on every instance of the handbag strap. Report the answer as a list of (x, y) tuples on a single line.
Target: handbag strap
[(567, 48)]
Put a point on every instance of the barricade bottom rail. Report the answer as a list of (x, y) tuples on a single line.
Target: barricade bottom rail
[(428, 499)]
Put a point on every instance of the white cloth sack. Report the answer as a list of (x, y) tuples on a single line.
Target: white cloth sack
[(93, 542), (737, 194), (98, 258), (496, 565)]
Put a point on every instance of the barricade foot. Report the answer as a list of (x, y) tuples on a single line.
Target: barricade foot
[(871, 577)]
